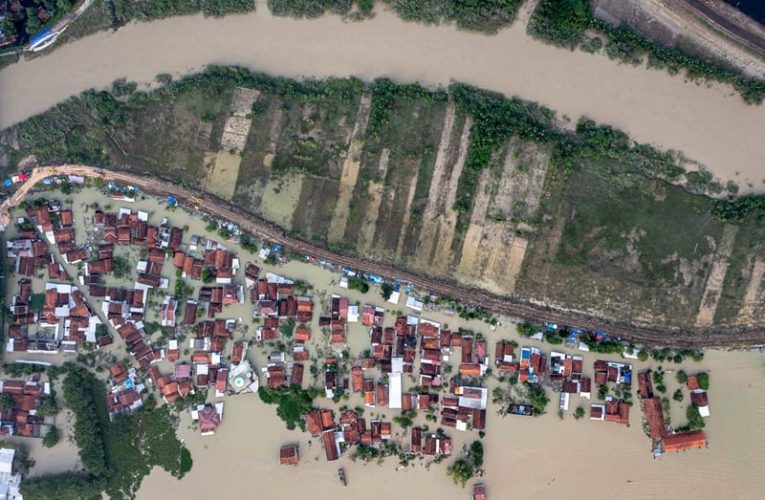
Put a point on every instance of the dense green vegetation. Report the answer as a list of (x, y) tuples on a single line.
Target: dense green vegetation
[(386, 95), (496, 119), (484, 15), (703, 379), (695, 420), (292, 403), (464, 468), (66, 486), (564, 22), (82, 393), (740, 208), (51, 437), (386, 290), (125, 11), (117, 454), (536, 395), (317, 8), (359, 284)]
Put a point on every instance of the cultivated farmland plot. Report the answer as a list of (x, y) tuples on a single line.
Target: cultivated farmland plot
[(390, 172)]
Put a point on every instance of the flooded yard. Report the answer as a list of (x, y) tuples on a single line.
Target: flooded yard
[(545, 457)]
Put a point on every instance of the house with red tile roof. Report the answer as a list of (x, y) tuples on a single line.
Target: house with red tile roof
[(684, 441), (276, 376), (190, 312), (313, 422), (169, 308), (302, 334), (357, 379), (221, 382), (208, 417), (654, 417), (296, 377), (288, 455), (437, 444), (331, 446), (616, 410)]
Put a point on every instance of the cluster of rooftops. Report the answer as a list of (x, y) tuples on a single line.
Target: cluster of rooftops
[(19, 415), (66, 319), (664, 440)]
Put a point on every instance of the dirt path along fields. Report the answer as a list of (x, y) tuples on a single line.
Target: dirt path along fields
[(371, 214), (223, 168), (752, 297), (350, 174), (651, 335), (711, 296)]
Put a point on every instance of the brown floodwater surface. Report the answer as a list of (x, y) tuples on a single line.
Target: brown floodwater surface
[(709, 123)]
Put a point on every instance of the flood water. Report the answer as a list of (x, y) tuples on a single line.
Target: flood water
[(539, 458), (708, 123)]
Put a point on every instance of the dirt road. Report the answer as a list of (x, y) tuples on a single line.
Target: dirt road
[(509, 306)]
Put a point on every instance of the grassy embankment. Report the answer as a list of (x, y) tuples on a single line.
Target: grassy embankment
[(487, 16), (571, 24), (607, 232)]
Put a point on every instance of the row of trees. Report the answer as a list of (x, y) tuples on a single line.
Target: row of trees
[(486, 15), (317, 8), (565, 23), (293, 403)]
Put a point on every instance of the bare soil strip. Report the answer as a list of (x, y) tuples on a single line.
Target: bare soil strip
[(753, 292), (476, 239), (427, 238), (221, 179), (713, 288), (524, 13), (413, 164), (515, 262), (273, 137), (375, 190), (350, 174), (448, 220), (651, 335)]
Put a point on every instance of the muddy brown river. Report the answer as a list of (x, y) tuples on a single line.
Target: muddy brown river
[(708, 123)]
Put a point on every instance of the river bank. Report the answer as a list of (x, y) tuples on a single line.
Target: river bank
[(651, 106)]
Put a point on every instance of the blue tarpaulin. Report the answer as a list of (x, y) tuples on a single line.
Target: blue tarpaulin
[(7, 183), (40, 36), (172, 201)]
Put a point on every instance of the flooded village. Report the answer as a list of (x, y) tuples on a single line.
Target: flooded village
[(275, 361)]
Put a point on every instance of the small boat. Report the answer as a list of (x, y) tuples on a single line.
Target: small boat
[(341, 475), (517, 409), (479, 491)]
